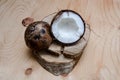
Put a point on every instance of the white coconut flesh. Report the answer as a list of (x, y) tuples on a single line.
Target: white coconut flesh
[(68, 28)]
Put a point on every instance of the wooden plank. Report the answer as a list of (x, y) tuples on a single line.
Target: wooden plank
[(100, 59)]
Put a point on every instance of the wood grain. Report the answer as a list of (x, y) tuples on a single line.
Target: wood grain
[(101, 58)]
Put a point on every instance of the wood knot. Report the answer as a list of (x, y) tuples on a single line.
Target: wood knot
[(64, 75), (28, 71), (27, 21), (118, 27)]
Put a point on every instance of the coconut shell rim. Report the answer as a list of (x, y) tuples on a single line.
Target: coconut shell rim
[(57, 16)]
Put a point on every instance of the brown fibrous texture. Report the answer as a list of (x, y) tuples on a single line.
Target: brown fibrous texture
[(37, 35)]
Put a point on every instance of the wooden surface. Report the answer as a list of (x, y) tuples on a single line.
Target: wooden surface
[(100, 59)]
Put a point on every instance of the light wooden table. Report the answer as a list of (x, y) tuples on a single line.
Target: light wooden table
[(100, 59)]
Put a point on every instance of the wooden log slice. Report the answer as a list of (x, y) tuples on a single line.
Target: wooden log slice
[(57, 65)]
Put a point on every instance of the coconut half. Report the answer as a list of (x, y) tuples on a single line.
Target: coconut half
[(67, 27)]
